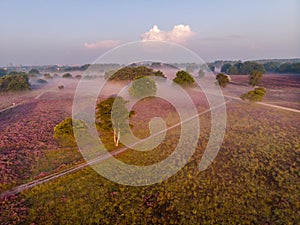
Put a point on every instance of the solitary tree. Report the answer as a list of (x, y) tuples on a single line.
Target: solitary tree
[(222, 79), (255, 77), (34, 72), (142, 87), (183, 78), (201, 73), (112, 115)]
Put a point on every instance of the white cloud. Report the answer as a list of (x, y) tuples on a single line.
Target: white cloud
[(102, 44), (179, 34)]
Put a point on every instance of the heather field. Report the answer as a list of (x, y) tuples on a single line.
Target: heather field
[(253, 180)]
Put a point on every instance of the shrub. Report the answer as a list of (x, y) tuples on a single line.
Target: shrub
[(67, 75), (222, 79), (61, 87), (255, 95), (183, 78), (63, 131), (17, 82)]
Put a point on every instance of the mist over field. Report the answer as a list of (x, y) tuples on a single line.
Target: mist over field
[(149, 112)]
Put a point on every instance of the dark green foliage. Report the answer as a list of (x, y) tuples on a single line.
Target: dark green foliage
[(158, 73), (67, 75), (142, 87), (271, 66), (255, 77), (232, 70), (242, 68), (289, 68), (201, 73), (16, 82), (222, 79), (131, 73), (108, 121), (255, 95), (63, 131), (211, 67), (183, 78), (3, 72), (225, 67), (33, 72)]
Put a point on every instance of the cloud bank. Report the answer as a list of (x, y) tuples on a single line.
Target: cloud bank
[(102, 44), (179, 34)]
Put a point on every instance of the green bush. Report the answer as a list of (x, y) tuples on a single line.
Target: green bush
[(255, 77), (17, 82), (63, 131), (183, 78), (255, 95), (222, 79), (67, 75)]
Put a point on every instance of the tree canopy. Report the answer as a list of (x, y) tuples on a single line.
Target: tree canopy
[(34, 72), (132, 72), (17, 82), (255, 77), (115, 121), (222, 79), (3, 72), (183, 78), (63, 131), (142, 87), (242, 68), (201, 73)]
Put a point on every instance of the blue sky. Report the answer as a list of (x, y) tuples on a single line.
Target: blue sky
[(37, 32)]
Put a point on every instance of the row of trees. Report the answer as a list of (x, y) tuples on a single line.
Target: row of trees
[(241, 68)]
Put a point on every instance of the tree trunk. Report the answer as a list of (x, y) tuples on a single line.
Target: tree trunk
[(115, 137), (118, 137)]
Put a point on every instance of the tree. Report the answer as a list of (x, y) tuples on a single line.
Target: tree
[(131, 73), (201, 73), (232, 70), (222, 79), (113, 121), (63, 131), (254, 95), (211, 67), (3, 72), (34, 72), (183, 78), (271, 66), (255, 77), (142, 87), (225, 67)]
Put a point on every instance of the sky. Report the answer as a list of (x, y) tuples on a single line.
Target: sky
[(35, 32)]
